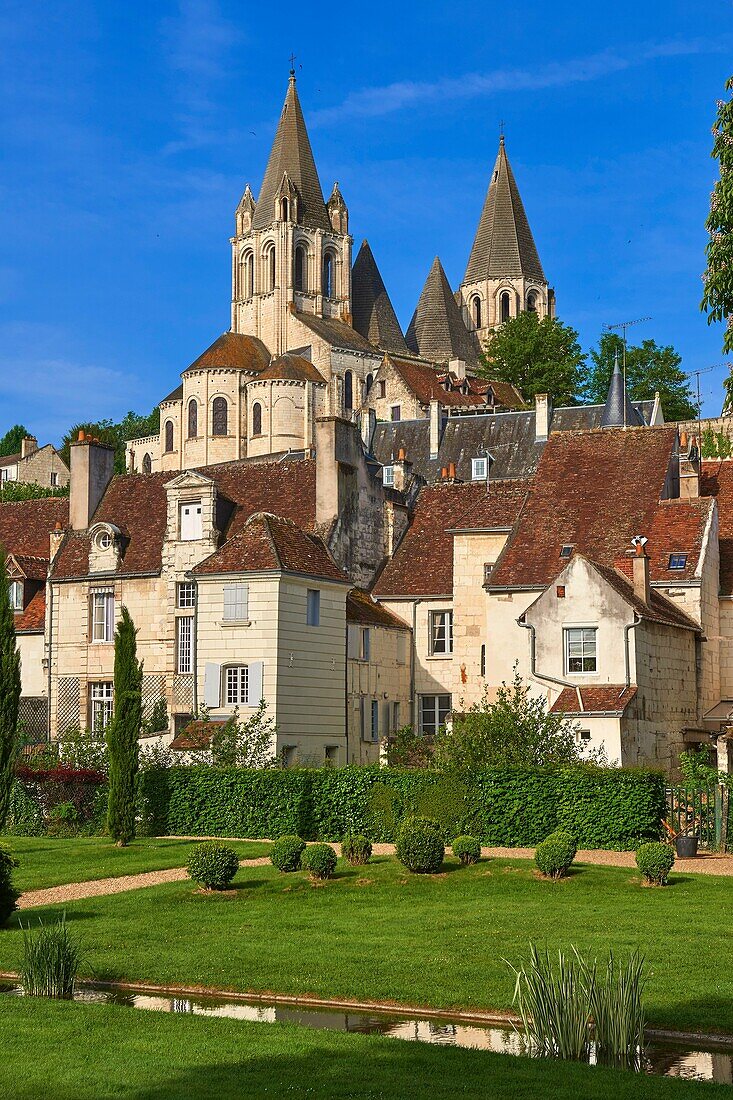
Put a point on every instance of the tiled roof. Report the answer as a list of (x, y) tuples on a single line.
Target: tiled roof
[(427, 383), (175, 395), (717, 481), (423, 562), (504, 245), (374, 316), (361, 608), (196, 735), (291, 368), (9, 460), (660, 609), (437, 331), (234, 349), (678, 527), (593, 490), (268, 542), (594, 699), (25, 525), (32, 568), (336, 333), (32, 619)]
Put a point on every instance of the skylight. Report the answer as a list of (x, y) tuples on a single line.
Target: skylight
[(677, 561), (566, 551)]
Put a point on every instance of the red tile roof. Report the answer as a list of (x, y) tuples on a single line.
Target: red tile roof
[(426, 383), (26, 525), (292, 368), (595, 699), (717, 481), (269, 542), (32, 619), (33, 569), (361, 608), (660, 609), (196, 735), (234, 349)]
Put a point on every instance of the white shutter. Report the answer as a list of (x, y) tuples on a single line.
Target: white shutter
[(212, 685), (109, 614), (352, 640), (236, 602), (254, 683)]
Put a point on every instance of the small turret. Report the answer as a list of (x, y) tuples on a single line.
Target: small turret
[(338, 211), (245, 212), (618, 412)]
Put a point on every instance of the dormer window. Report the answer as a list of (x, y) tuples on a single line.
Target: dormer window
[(479, 468), (16, 595), (190, 521), (104, 540), (566, 551), (388, 475), (678, 561)]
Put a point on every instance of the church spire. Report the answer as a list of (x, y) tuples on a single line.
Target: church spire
[(374, 315), (437, 331), (618, 412)]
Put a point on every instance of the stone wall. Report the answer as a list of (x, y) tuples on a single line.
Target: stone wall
[(384, 679)]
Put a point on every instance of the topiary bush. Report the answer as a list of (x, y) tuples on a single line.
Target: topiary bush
[(655, 861), (286, 853), (467, 849), (213, 865), (420, 846), (356, 849), (8, 894), (555, 854), (319, 860)]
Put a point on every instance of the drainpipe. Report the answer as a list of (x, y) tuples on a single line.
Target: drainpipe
[(627, 659), (49, 605), (532, 659), (413, 696), (194, 640)]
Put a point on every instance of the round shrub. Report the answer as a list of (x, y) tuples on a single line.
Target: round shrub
[(467, 849), (319, 860), (655, 860), (8, 894), (286, 853), (420, 846), (555, 854), (213, 865), (356, 849)]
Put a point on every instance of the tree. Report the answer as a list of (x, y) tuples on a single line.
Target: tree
[(649, 369), (717, 299), (236, 744), (536, 357), (132, 426), (11, 441), (123, 732), (19, 490), (9, 692)]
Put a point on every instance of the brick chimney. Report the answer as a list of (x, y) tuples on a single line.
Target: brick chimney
[(436, 427), (542, 416), (689, 458), (28, 445), (55, 539), (92, 466), (641, 574), (401, 468)]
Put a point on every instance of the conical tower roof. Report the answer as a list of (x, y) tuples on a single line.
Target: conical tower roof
[(618, 412), (437, 331), (291, 153), (504, 245), (373, 314)]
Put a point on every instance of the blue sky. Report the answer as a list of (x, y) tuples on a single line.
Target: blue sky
[(129, 131)]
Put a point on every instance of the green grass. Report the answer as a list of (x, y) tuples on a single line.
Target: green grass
[(67, 1051), (379, 933), (44, 861)]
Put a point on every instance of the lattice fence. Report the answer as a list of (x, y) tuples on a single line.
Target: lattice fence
[(33, 714), (183, 692), (153, 690), (69, 703)]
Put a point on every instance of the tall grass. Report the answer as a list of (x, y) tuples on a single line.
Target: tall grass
[(50, 960), (618, 1010)]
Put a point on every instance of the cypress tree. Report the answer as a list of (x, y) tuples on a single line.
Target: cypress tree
[(9, 692), (123, 732)]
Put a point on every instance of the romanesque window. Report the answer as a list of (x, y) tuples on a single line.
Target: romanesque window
[(257, 418), (368, 384), (504, 307), (168, 436), (247, 286), (348, 391), (299, 274), (193, 418), (147, 464), (219, 416), (329, 290), (268, 258), (476, 308), (532, 302), (284, 209)]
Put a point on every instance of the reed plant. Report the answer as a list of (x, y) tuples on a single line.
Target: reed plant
[(50, 962), (617, 1009)]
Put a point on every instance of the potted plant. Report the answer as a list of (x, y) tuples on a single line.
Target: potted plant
[(686, 840)]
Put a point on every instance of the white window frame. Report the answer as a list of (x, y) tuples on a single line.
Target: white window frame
[(191, 523), (313, 607), (236, 603), (101, 704), (585, 640), (184, 645), (440, 636), (102, 615), (236, 685), (54, 479), (15, 593), (388, 476), (479, 468), (433, 703), (186, 594)]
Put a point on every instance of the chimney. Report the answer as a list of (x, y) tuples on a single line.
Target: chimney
[(401, 469), (641, 574), (457, 367), (92, 466), (56, 538), (28, 445), (689, 459), (542, 416), (436, 427)]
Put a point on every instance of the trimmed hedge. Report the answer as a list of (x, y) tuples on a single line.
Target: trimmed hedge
[(616, 808), (213, 865)]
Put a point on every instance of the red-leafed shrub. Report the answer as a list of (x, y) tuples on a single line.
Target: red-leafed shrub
[(77, 790)]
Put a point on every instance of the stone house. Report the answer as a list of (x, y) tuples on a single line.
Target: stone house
[(34, 465)]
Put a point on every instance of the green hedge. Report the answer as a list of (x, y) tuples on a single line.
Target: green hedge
[(517, 807)]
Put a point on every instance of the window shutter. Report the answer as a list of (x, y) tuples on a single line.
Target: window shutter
[(254, 684), (212, 685), (109, 612), (236, 602), (242, 601), (352, 647)]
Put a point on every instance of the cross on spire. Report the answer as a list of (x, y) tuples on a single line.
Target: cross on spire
[(292, 64), (501, 131)]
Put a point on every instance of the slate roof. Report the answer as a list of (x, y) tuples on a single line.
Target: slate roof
[(291, 152), (361, 608), (428, 383), (336, 333), (504, 245), (267, 542), (717, 481), (594, 699), (175, 395), (373, 314), (291, 368), (437, 331), (618, 412), (234, 349), (26, 525)]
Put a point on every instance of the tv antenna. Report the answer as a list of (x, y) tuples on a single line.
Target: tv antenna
[(623, 325), (696, 375)]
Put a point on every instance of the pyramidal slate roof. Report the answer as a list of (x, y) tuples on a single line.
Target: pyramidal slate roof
[(437, 331), (504, 245), (291, 152), (373, 314), (618, 412)]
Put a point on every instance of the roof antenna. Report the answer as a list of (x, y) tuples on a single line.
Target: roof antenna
[(623, 325)]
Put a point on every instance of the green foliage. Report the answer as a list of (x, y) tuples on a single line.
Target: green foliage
[(213, 865), (717, 299), (236, 744), (286, 853), (715, 444), (79, 748), (356, 849), (157, 720), (319, 860), (13, 491), (123, 732), (420, 846), (8, 894), (467, 849), (649, 369), (536, 357), (405, 748), (9, 692), (132, 426), (50, 962), (655, 861), (556, 853), (63, 820), (11, 441), (25, 815)]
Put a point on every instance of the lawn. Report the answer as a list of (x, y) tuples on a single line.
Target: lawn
[(379, 933), (65, 1051), (44, 861)]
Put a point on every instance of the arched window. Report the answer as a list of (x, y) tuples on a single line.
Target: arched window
[(300, 272), (368, 384), (168, 436), (329, 290), (532, 302), (284, 209), (257, 418), (219, 413), (193, 418), (247, 276), (504, 307), (476, 307), (348, 391), (147, 464), (268, 262)]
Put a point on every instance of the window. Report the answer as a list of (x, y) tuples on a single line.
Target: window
[(328, 275), (434, 711), (100, 705), (289, 755), (284, 209), (300, 266), (331, 755), (184, 635), (268, 257), (236, 684), (532, 302), (147, 464), (257, 418), (479, 469), (388, 475), (374, 729), (382, 388), (193, 418), (582, 737), (248, 275), (504, 307), (313, 609), (476, 306), (441, 633), (236, 603), (566, 551), (395, 716), (348, 391), (219, 416), (190, 521), (365, 644), (677, 561), (103, 615), (186, 594), (396, 413), (168, 436), (483, 660), (580, 649), (16, 595), (54, 479), (368, 382), (104, 540)]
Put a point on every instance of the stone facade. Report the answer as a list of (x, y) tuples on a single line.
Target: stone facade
[(35, 465)]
